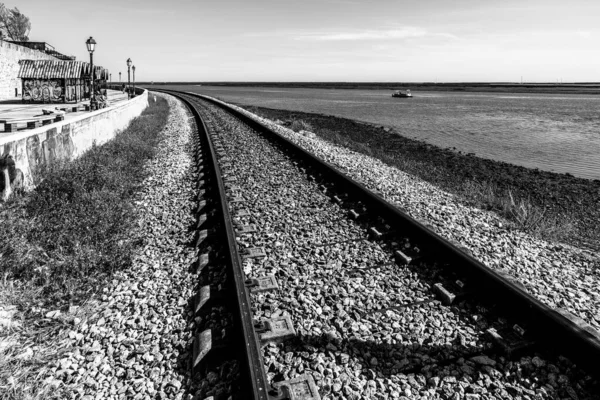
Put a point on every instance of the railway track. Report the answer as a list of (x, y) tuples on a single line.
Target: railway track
[(339, 294)]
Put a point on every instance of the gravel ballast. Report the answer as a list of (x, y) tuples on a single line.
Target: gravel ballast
[(336, 286), (560, 276), (556, 207), (138, 340)]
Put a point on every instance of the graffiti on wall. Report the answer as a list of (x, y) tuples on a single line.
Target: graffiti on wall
[(34, 155), (43, 90), (43, 153), (73, 90), (11, 178)]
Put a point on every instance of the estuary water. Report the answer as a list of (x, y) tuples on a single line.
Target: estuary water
[(559, 133)]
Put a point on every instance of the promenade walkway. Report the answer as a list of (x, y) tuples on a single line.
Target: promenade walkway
[(15, 110)]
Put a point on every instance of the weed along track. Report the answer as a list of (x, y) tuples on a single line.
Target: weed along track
[(318, 288)]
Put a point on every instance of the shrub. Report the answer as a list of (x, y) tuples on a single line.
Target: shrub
[(299, 125), (521, 212)]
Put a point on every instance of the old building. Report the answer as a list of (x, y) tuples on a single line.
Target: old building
[(11, 53), (49, 81)]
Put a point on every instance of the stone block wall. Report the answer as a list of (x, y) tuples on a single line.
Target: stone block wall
[(10, 54)]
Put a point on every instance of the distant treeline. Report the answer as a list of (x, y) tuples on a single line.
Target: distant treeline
[(579, 87)]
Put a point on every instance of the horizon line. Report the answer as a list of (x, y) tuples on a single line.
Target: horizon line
[(394, 82)]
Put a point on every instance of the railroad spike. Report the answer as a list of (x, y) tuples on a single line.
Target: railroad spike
[(446, 296), (353, 214), (451, 292), (512, 342), (402, 258)]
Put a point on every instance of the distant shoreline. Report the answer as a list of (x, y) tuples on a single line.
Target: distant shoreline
[(549, 88)]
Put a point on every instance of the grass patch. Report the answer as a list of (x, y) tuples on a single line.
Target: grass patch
[(76, 223), (299, 125), (64, 240), (521, 212)]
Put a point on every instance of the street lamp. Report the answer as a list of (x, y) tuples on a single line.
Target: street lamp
[(91, 45), (133, 69), (129, 77)]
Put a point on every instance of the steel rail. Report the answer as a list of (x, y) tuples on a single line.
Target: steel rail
[(559, 330), (255, 366)]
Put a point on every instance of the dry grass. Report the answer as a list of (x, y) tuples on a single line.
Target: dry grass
[(28, 348), (520, 212), (61, 243), (299, 125)]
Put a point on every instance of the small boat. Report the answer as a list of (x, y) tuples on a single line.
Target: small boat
[(402, 93)]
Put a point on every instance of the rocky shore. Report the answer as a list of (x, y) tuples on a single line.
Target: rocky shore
[(570, 205), (559, 275)]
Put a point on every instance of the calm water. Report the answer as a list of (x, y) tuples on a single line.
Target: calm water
[(558, 133)]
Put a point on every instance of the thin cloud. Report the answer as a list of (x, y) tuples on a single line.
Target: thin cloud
[(584, 34), (389, 34)]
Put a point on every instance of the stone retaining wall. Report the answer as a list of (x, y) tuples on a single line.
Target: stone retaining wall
[(10, 54), (33, 149)]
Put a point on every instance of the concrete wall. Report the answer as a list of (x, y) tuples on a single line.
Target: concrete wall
[(10, 54), (33, 149)]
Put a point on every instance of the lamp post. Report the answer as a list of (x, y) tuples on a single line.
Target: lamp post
[(129, 77), (119, 78), (91, 45), (133, 69)]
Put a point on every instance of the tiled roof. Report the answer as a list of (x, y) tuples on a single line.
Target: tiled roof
[(49, 69)]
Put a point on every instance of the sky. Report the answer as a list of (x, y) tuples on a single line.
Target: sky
[(328, 40)]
